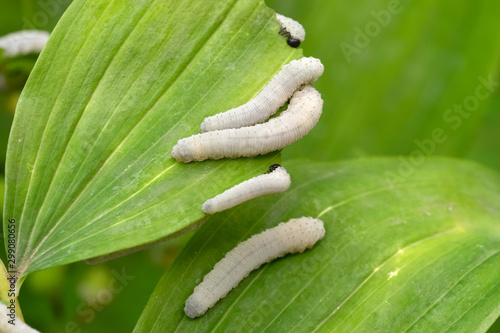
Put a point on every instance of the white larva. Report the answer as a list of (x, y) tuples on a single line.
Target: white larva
[(301, 116), (291, 29), (23, 42), (274, 95), (277, 181), (293, 236)]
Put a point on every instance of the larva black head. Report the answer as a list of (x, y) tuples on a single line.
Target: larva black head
[(273, 167), (293, 42)]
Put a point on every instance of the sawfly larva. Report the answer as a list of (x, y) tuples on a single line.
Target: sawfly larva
[(294, 236), (274, 95), (276, 181), (302, 115), (291, 29)]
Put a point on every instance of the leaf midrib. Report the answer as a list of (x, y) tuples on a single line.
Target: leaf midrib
[(190, 60)]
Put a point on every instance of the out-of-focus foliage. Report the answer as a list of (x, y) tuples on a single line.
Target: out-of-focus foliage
[(486, 149), (409, 63), (15, 16), (15, 71), (102, 298), (30, 14), (8, 101)]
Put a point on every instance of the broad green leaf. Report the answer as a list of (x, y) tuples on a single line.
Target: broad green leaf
[(89, 168), (403, 252), (407, 73)]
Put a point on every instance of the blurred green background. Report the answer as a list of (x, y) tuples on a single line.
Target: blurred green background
[(395, 72)]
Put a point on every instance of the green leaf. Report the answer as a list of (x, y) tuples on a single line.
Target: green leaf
[(399, 87), (89, 168), (417, 253)]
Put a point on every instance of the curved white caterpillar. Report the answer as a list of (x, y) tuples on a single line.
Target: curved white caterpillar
[(270, 99), (293, 236), (301, 116), (276, 181), (291, 29), (23, 42)]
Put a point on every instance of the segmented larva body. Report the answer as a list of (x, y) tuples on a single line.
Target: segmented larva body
[(274, 95), (23, 42), (276, 181), (293, 236), (301, 116), (291, 29)]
